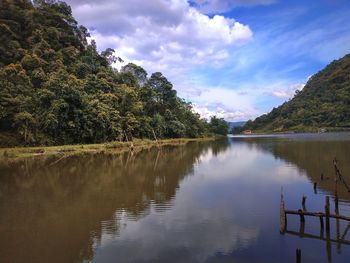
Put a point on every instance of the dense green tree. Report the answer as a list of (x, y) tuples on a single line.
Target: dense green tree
[(137, 72), (218, 126)]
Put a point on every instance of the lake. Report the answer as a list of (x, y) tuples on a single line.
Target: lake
[(213, 201)]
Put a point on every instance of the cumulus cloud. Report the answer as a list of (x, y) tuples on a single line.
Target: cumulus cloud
[(161, 34), (230, 104), (234, 115), (222, 6)]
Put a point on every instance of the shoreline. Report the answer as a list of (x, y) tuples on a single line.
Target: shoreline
[(314, 131), (112, 147)]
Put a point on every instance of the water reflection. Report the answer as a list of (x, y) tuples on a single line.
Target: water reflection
[(312, 154), (203, 202), (57, 213)]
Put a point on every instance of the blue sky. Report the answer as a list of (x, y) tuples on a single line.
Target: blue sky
[(234, 58)]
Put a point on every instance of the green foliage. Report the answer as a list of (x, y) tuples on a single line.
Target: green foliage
[(56, 88), (218, 126), (324, 102)]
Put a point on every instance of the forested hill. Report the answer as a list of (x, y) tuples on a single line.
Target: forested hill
[(56, 88), (323, 103)]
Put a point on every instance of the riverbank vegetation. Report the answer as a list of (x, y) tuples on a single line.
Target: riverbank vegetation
[(56, 88), (115, 147), (323, 104)]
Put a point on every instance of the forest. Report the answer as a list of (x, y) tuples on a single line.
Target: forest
[(57, 88), (324, 103)]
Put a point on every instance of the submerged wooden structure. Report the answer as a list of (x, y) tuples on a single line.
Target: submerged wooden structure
[(324, 218)]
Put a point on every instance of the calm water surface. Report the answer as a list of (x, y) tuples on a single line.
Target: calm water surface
[(203, 202)]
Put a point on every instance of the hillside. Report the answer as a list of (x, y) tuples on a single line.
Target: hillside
[(56, 88), (323, 103)]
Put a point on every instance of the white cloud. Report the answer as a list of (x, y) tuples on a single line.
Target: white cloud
[(167, 35), (230, 104), (219, 112), (287, 92), (234, 104)]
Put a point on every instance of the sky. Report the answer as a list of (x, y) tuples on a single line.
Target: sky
[(236, 59)]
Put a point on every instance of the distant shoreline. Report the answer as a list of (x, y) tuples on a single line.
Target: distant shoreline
[(311, 130)]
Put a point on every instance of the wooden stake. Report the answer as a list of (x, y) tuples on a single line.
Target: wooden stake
[(298, 255), (321, 227), (283, 218), (303, 202), (327, 215), (302, 217), (328, 233), (321, 223)]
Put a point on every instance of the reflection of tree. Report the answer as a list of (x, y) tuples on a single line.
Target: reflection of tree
[(54, 213), (314, 157), (220, 146)]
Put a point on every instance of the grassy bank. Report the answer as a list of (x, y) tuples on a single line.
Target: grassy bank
[(115, 147)]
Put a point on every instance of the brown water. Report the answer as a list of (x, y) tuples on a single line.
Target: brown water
[(203, 202)]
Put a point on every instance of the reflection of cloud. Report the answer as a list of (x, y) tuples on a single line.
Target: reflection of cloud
[(291, 172), (205, 219), (206, 156), (195, 234), (242, 160)]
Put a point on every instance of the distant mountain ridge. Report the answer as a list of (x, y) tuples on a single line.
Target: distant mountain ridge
[(234, 124), (323, 103)]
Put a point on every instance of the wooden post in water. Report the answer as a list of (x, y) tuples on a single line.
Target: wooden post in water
[(321, 226), (338, 235), (302, 223), (326, 208), (303, 202), (302, 217), (283, 218), (298, 255), (315, 187), (336, 210), (328, 233)]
